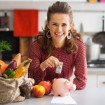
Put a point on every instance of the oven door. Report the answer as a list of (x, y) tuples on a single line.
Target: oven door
[(96, 64)]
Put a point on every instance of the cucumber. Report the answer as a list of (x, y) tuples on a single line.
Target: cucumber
[(8, 71), (11, 75)]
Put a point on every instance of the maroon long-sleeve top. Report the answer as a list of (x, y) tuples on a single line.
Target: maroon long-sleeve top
[(77, 60)]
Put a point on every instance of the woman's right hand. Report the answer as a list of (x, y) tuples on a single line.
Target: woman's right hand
[(50, 62)]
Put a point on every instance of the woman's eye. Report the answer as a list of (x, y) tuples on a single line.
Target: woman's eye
[(54, 24), (64, 24)]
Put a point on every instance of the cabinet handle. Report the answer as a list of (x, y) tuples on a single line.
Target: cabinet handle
[(104, 82)]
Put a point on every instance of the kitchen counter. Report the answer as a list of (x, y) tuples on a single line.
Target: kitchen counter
[(95, 69), (88, 96)]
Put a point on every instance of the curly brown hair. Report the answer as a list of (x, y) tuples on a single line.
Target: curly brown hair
[(70, 45)]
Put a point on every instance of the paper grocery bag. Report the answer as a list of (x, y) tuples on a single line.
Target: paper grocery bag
[(9, 90)]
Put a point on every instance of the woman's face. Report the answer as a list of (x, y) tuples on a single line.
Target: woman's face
[(59, 26)]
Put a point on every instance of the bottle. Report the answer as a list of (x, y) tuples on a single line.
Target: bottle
[(98, 0), (4, 21), (102, 0), (92, 1)]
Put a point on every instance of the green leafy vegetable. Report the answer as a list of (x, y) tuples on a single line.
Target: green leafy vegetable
[(4, 45)]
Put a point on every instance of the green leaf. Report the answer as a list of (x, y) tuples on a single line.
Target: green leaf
[(4, 45)]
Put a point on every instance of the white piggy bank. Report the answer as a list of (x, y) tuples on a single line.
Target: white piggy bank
[(62, 87)]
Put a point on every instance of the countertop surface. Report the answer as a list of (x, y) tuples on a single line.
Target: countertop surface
[(88, 96)]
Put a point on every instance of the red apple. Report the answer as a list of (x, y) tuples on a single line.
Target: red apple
[(47, 85), (38, 91)]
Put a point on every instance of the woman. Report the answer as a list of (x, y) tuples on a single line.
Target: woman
[(59, 43)]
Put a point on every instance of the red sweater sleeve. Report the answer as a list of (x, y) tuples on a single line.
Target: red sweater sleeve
[(80, 67), (34, 69)]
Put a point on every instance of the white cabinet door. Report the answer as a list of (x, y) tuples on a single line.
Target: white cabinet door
[(96, 77), (101, 80), (91, 80)]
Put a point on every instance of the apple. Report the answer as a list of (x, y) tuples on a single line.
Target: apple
[(47, 85), (38, 91)]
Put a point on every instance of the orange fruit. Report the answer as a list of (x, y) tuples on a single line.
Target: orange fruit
[(38, 91), (3, 66)]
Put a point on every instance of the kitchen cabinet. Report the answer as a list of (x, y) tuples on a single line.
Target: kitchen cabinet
[(96, 77), (91, 80), (101, 79)]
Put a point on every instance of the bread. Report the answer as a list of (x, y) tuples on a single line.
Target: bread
[(17, 58)]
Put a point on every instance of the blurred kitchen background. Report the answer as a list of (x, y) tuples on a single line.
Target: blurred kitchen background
[(89, 16)]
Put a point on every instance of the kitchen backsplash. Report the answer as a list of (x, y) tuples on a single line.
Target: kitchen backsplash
[(91, 21), (87, 14)]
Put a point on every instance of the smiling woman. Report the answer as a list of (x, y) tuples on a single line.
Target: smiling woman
[(58, 43)]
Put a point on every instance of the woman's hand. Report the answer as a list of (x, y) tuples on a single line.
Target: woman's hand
[(50, 62)]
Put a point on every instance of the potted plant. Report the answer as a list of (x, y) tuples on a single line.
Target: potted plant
[(4, 45)]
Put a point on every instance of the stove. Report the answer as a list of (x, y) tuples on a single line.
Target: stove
[(96, 64)]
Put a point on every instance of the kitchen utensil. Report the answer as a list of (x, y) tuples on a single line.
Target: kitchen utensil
[(4, 21), (92, 50), (100, 37)]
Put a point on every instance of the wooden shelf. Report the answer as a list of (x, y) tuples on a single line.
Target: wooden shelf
[(4, 29), (43, 6)]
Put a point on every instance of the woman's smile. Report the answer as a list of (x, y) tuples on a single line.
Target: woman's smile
[(59, 34)]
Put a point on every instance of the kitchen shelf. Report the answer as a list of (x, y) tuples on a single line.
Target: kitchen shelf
[(43, 6), (46, 10), (4, 29)]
